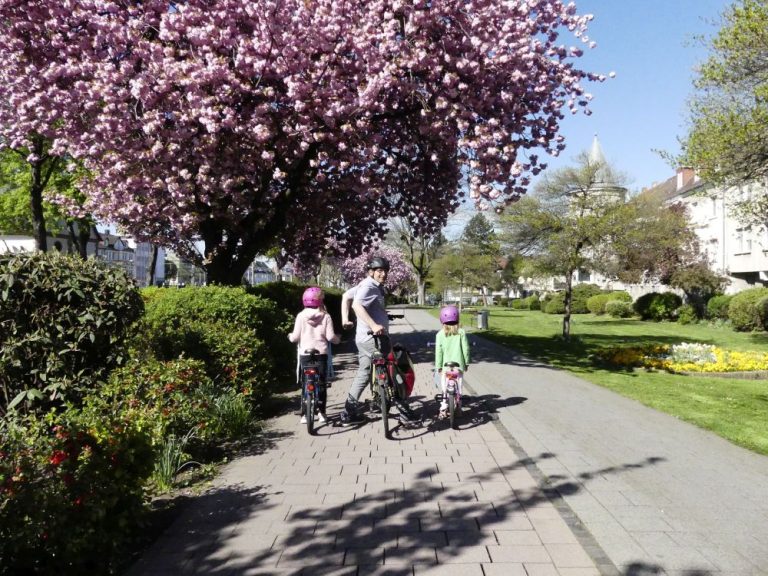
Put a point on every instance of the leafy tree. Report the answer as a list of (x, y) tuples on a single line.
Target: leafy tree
[(579, 220), (512, 268), (569, 223), (450, 271), (420, 251), (728, 138), (24, 175), (462, 266), (699, 283), (658, 242), (479, 232), (481, 242), (253, 125), (18, 200)]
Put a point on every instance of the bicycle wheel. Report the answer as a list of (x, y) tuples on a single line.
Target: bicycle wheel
[(452, 409), (309, 407), (382, 383)]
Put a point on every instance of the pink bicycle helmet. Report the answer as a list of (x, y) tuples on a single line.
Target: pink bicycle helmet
[(313, 297), (449, 315)]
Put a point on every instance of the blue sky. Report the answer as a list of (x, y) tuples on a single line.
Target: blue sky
[(650, 45)]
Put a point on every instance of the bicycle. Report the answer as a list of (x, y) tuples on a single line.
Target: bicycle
[(311, 386), (391, 389), (452, 374)]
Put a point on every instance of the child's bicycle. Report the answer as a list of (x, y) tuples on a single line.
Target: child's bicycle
[(311, 384), (391, 390), (452, 390)]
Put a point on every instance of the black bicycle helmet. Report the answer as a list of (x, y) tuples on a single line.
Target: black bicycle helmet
[(378, 262)]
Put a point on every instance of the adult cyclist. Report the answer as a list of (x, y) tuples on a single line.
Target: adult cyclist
[(369, 307)]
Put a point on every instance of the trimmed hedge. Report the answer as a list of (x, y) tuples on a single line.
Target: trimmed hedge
[(287, 296), (239, 336), (596, 304), (580, 294), (747, 310), (619, 309), (658, 306), (717, 307)]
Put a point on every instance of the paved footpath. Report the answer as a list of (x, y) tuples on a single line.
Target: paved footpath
[(548, 475)]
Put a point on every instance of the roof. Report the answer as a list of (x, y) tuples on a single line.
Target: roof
[(261, 267), (668, 188)]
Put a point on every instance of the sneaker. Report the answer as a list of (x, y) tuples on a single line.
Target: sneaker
[(405, 411), (348, 419), (304, 419), (376, 407), (321, 418)]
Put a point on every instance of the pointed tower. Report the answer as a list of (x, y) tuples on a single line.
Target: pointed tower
[(606, 181)]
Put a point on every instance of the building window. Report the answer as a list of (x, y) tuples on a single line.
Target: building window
[(743, 243)]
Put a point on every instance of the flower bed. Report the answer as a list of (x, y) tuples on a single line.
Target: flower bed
[(684, 358)]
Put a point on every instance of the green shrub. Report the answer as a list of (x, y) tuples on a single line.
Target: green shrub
[(534, 303), (64, 325), (717, 307), (71, 492), (554, 305), (596, 303), (163, 397), (520, 304), (743, 310), (657, 306), (287, 296), (240, 337), (619, 309), (580, 294), (687, 315)]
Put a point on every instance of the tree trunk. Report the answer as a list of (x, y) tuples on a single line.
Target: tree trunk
[(421, 284), (36, 202), (152, 265), (225, 271), (568, 298), (80, 238)]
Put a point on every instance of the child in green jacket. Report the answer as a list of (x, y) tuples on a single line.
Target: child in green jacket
[(451, 345)]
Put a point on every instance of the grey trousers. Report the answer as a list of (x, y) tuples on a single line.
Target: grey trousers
[(365, 350)]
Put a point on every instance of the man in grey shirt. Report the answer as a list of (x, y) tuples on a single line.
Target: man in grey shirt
[(369, 307)]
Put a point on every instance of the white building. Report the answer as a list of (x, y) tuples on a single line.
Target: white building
[(133, 257), (734, 249)]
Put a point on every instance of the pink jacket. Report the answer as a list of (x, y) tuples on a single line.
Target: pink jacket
[(313, 329)]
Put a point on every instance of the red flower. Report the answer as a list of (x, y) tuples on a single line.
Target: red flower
[(58, 457)]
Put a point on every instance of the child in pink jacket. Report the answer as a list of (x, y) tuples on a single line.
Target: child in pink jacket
[(313, 330)]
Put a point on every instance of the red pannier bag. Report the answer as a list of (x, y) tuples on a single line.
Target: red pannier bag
[(401, 368)]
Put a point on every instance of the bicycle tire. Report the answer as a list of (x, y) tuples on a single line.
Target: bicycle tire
[(452, 410), (384, 402), (310, 413)]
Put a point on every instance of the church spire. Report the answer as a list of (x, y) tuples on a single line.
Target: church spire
[(596, 152)]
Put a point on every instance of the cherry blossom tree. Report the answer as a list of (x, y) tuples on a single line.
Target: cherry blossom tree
[(254, 125), (400, 273)]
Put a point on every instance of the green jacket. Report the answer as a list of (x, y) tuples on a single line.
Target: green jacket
[(451, 349)]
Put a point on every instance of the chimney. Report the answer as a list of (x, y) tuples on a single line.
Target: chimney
[(684, 177)]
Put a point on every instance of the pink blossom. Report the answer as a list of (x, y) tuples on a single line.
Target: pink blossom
[(253, 124)]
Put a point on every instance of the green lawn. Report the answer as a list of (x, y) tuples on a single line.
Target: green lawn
[(734, 409)]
